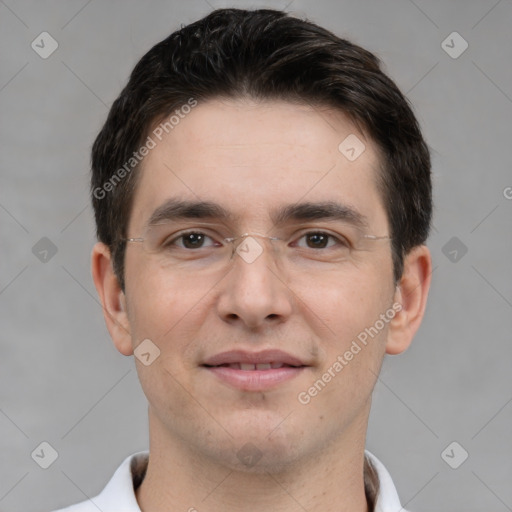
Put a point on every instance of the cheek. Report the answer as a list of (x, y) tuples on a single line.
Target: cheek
[(163, 311), (172, 314), (159, 303), (352, 341), (350, 302)]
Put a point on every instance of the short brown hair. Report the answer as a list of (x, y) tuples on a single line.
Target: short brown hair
[(263, 54)]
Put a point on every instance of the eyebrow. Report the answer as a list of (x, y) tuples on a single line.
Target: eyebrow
[(325, 210), (179, 209)]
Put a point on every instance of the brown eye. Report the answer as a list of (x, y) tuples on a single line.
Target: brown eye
[(317, 240), (320, 240), (193, 240), (190, 240)]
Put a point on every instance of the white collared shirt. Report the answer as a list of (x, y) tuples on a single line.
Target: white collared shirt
[(119, 494)]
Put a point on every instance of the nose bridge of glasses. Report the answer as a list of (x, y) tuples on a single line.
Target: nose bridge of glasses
[(247, 247)]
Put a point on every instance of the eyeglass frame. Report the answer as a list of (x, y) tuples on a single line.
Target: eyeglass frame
[(248, 234)]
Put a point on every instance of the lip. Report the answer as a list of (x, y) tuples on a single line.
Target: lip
[(257, 379), (243, 356)]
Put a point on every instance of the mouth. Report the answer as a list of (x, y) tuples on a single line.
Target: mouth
[(249, 367), (254, 371)]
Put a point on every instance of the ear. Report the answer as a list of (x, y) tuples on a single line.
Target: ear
[(411, 292), (112, 298)]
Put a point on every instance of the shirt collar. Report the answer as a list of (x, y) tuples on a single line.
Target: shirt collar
[(387, 498), (119, 493)]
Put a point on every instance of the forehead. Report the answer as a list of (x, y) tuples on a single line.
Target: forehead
[(251, 156)]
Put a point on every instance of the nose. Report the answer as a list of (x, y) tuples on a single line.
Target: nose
[(253, 293)]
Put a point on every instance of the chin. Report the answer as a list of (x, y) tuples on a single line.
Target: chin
[(261, 443), (256, 456)]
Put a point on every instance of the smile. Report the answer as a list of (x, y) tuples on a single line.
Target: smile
[(254, 371)]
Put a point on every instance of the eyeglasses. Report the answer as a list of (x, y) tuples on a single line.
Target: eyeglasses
[(201, 249)]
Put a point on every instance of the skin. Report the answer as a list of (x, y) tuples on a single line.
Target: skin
[(252, 157)]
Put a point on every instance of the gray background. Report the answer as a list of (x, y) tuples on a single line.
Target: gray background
[(61, 379)]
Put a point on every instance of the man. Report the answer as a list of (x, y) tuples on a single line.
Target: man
[(262, 197)]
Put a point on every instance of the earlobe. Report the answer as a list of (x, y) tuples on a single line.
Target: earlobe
[(411, 293), (112, 298)]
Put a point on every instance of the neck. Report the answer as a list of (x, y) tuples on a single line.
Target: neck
[(179, 478)]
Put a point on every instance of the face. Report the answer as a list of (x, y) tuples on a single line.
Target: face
[(299, 314)]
